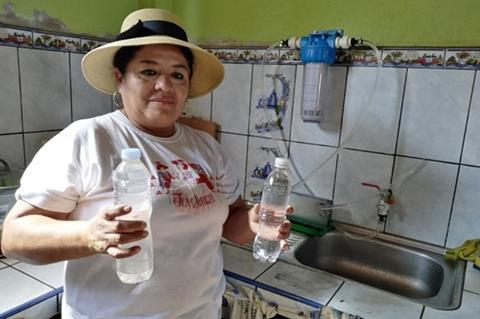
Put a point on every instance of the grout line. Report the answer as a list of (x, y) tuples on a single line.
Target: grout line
[(460, 160), (70, 85), (335, 293), (24, 148), (337, 160)]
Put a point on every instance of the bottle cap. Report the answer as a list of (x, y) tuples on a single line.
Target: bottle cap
[(130, 154), (281, 162)]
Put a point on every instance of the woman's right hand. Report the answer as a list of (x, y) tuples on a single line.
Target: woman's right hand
[(105, 232)]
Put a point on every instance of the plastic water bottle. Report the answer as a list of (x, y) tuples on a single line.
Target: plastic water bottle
[(131, 184), (273, 209)]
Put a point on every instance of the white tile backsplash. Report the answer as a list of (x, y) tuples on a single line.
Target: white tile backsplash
[(465, 215), (434, 113), (236, 147), (355, 168), (428, 110), (423, 193), (11, 150), (200, 107), (312, 169), (34, 141), (372, 108), (471, 150), (45, 89), (10, 110), (231, 100), (86, 101)]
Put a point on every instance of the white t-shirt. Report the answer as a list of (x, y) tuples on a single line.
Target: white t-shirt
[(193, 186)]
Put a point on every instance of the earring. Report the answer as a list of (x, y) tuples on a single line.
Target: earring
[(117, 99)]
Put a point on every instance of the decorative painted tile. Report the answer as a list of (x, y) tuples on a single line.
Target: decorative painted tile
[(268, 55), (261, 156), (225, 55), (463, 59), (363, 57), (423, 194), (289, 56), (56, 42), (16, 37), (271, 104), (413, 58), (286, 307), (250, 55), (90, 44), (343, 57)]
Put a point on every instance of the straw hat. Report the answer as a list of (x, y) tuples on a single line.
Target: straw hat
[(151, 26)]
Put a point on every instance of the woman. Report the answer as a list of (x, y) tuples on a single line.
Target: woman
[(64, 208)]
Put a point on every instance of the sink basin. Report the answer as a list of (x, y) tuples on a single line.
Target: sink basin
[(407, 268)]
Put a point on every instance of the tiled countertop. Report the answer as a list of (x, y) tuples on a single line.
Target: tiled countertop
[(345, 295), (21, 283)]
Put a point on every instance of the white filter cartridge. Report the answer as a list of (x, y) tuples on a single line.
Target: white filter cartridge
[(315, 91)]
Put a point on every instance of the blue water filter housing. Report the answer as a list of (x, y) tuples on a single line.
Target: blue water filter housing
[(317, 52)]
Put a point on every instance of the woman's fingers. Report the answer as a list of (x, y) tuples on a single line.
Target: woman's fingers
[(118, 252), (284, 230), (111, 213)]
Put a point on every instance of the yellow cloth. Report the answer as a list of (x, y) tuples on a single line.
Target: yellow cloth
[(469, 251)]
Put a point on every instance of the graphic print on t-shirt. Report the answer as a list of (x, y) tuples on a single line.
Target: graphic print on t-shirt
[(190, 188)]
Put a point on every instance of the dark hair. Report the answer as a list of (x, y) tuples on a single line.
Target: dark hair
[(126, 54)]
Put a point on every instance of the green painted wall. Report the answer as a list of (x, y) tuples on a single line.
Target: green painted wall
[(261, 22)]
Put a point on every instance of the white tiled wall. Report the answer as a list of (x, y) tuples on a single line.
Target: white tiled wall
[(418, 135), (41, 93), (418, 128)]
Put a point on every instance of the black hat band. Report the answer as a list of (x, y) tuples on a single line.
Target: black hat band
[(147, 28)]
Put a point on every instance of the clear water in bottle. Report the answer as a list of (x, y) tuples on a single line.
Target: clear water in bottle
[(131, 186), (273, 207)]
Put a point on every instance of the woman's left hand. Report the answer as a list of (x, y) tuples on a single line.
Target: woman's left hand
[(283, 230)]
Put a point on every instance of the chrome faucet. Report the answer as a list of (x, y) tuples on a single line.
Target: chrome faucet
[(384, 201)]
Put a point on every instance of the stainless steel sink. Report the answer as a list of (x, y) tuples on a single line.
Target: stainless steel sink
[(407, 268)]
